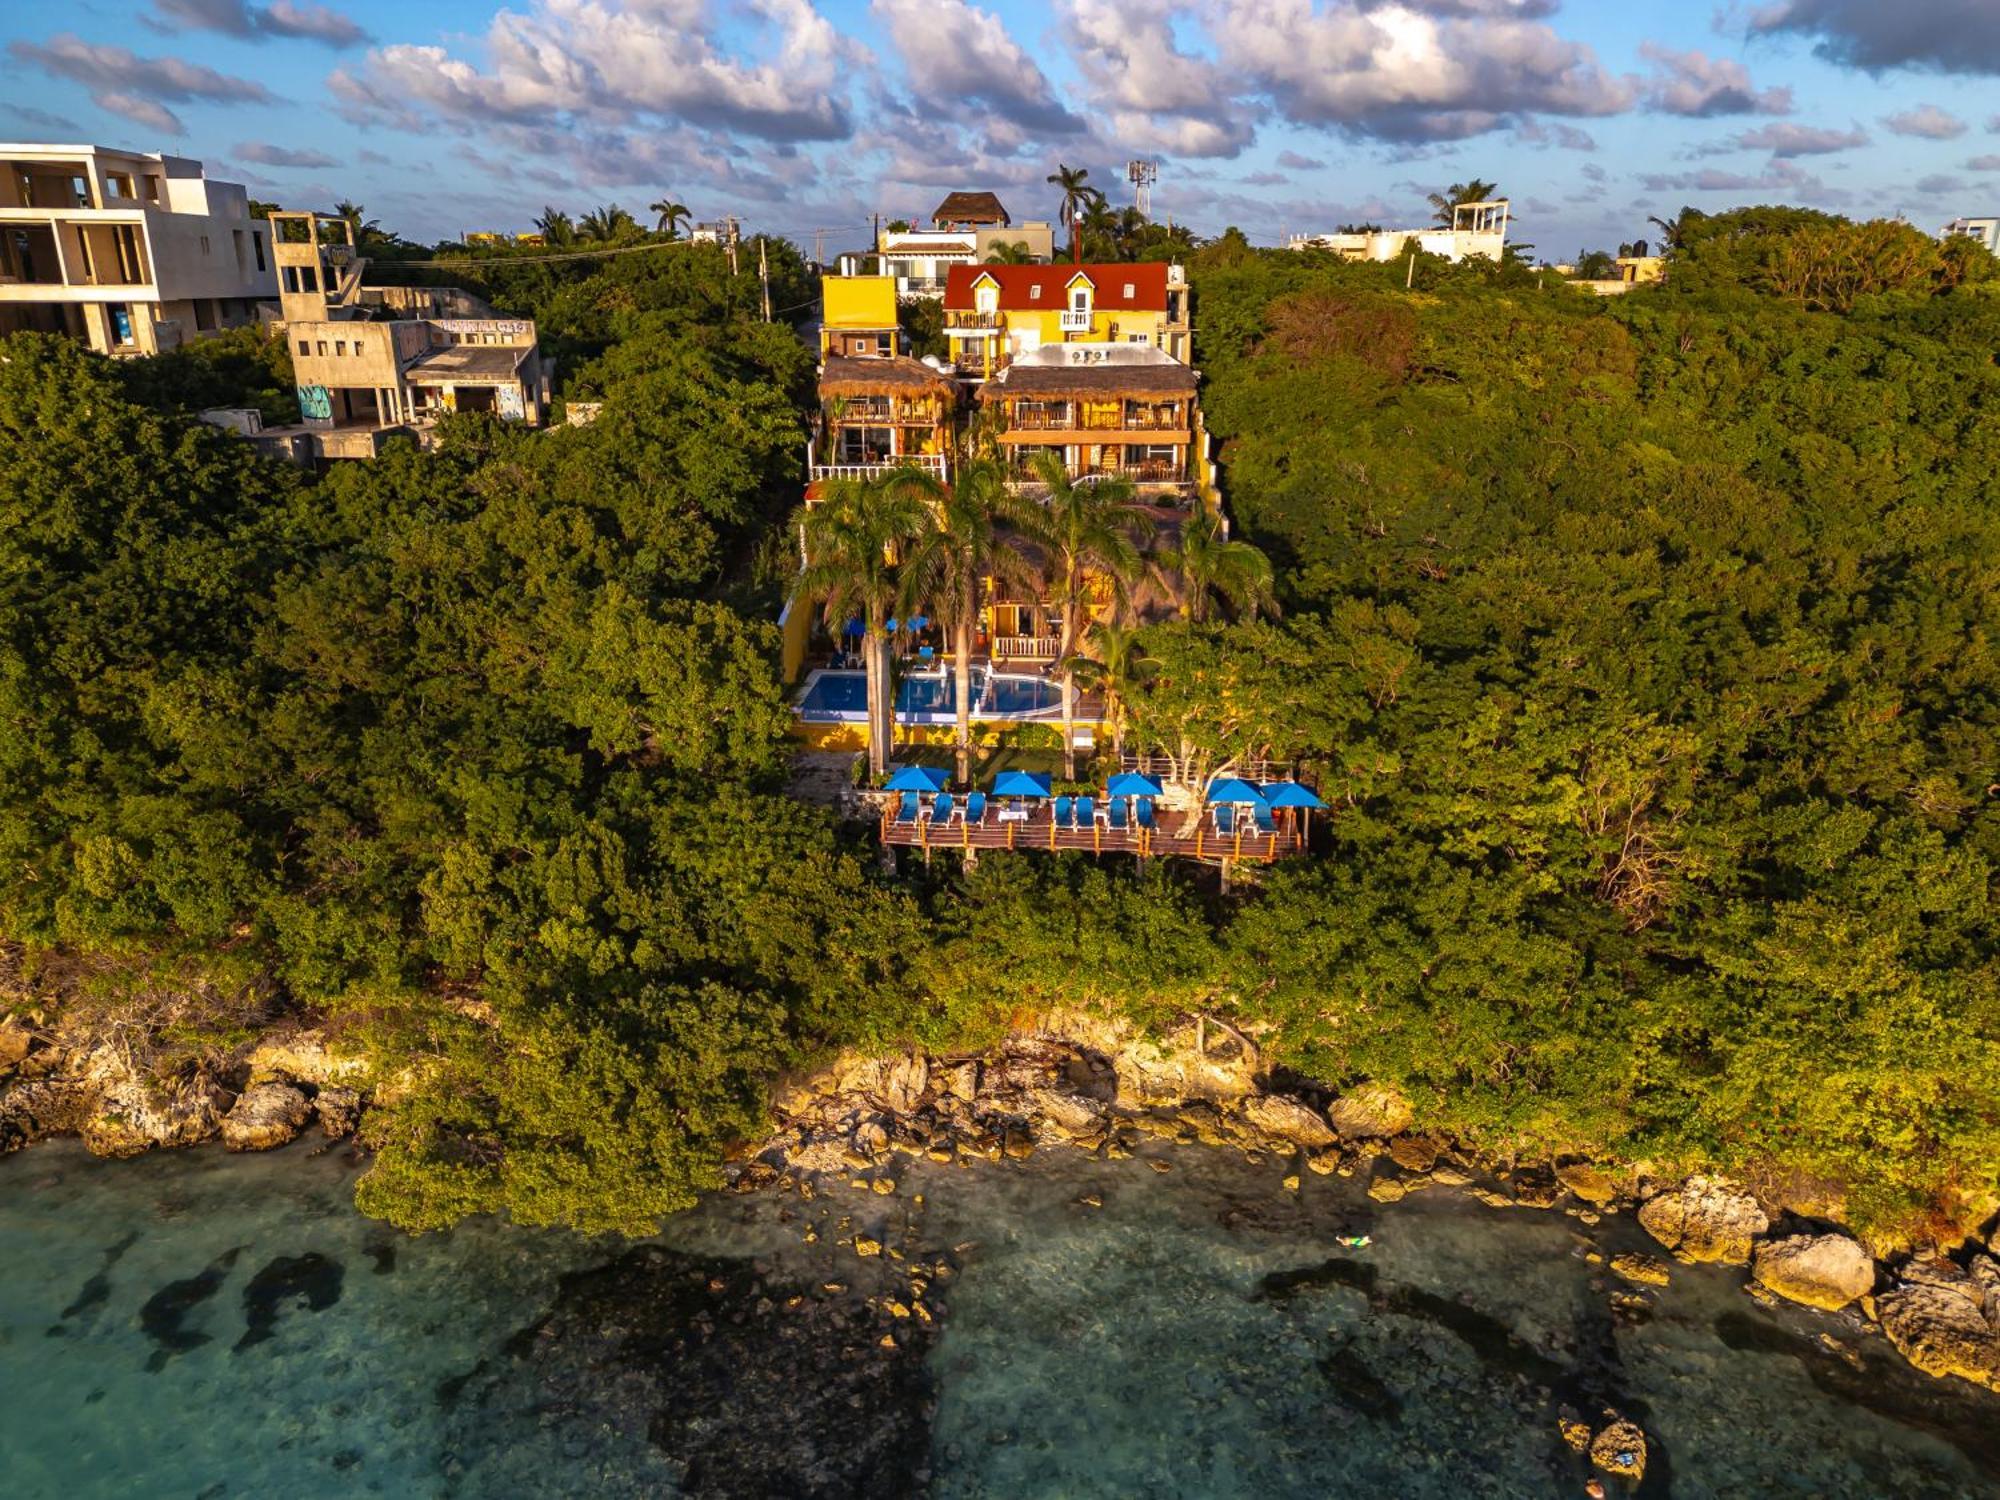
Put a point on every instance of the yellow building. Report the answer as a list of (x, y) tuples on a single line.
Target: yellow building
[(995, 313), (858, 316)]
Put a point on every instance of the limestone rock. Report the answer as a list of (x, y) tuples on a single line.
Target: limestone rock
[(1705, 1219), (1826, 1271), (1069, 1114), (1417, 1153), (1371, 1110), (134, 1113), (1288, 1120), (1387, 1190), (1588, 1183), (15, 1042), (864, 1245), (904, 1081), (961, 1081), (1938, 1320), (265, 1115), (1620, 1449), (1641, 1268), (339, 1111)]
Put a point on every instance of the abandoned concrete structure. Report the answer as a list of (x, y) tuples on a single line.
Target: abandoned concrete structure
[(134, 252), (373, 362)]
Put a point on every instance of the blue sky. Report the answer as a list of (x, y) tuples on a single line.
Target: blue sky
[(804, 115)]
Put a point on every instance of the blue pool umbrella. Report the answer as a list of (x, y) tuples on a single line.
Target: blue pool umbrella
[(1290, 794), (1020, 784), (892, 626), (854, 627), (920, 622), (917, 779), (1132, 784), (1233, 789)]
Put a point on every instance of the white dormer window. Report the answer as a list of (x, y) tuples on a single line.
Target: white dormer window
[(987, 299), (1131, 290), (1079, 299), (1034, 294)]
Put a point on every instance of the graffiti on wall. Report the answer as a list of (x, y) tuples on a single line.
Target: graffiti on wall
[(508, 402), (315, 405)]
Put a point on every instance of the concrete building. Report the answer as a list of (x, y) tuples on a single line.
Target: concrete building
[(878, 408), (1633, 271), (133, 251), (994, 314), (382, 360), (1477, 229), (965, 229), (1986, 231)]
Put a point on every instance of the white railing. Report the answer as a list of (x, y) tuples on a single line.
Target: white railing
[(1024, 647), (1074, 321), (930, 463)]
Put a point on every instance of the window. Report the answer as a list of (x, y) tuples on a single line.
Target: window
[(304, 347), (1034, 294), (1131, 290), (322, 348), (120, 317), (242, 261), (120, 184), (80, 187), (204, 244), (204, 315), (152, 188), (257, 242), (1079, 300), (340, 347)]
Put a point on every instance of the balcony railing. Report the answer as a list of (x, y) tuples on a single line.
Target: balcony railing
[(958, 320), (1067, 419), (1075, 321), (1025, 647), (930, 463)]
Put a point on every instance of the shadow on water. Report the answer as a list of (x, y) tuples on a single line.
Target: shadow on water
[(1592, 1383), (1874, 1380), (312, 1278), (97, 1290), (162, 1317)]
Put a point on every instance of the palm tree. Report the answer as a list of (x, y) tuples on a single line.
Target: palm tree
[(945, 567), (1673, 232), (671, 216), (1009, 253), (1091, 533), (1118, 667), (851, 539), (556, 226), (1446, 203), (606, 224), (1077, 198), (1211, 566), (364, 227)]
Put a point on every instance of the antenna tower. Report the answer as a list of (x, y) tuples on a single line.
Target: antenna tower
[(1142, 175)]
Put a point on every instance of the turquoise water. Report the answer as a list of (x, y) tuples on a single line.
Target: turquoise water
[(930, 697), (201, 1325)]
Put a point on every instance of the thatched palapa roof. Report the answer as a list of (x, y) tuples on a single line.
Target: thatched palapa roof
[(970, 208), (896, 375)]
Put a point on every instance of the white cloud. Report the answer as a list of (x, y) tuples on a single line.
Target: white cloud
[(267, 155), (1411, 72), (317, 23), (1784, 139), (606, 64), (1150, 94), (954, 53), (1697, 85), (1928, 122), (139, 88)]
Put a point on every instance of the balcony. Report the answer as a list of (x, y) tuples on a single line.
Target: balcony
[(1066, 416), (930, 463), (1025, 647), (1075, 320), (968, 324)]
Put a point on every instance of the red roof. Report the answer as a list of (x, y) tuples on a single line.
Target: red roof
[(1114, 285)]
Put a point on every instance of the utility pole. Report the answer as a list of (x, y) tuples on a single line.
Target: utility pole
[(1410, 275), (764, 275)]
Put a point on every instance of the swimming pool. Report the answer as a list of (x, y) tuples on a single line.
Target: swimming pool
[(928, 698)]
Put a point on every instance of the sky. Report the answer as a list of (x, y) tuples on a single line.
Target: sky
[(807, 117)]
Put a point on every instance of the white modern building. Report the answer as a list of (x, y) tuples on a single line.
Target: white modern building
[(1986, 231), (965, 229), (1477, 229), (133, 251)]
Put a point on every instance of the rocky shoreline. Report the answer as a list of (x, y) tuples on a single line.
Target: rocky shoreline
[(1082, 1082)]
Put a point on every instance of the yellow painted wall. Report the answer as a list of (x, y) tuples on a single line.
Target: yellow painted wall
[(794, 634), (858, 301)]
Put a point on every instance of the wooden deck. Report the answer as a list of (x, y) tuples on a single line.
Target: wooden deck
[(1039, 832)]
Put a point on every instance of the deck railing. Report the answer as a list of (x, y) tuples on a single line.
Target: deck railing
[(930, 463), (1039, 830), (1024, 647)]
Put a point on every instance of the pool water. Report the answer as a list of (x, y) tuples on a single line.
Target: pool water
[(929, 697)]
